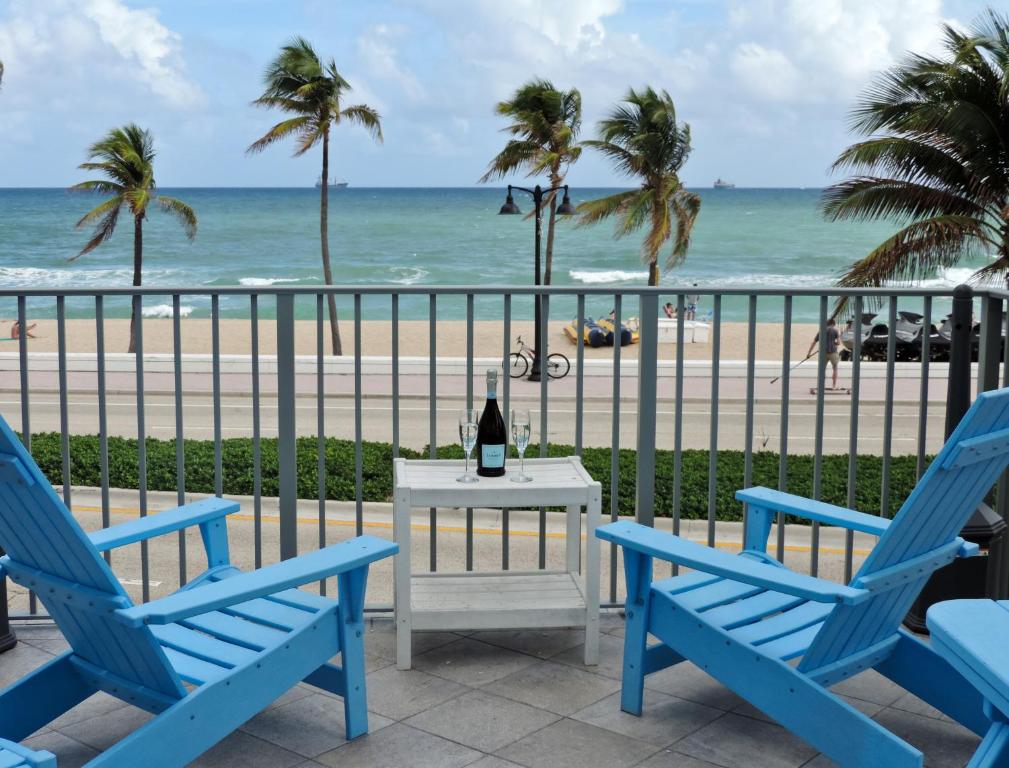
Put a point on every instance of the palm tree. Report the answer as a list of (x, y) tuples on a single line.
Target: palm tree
[(298, 82), (643, 139), (126, 157), (935, 160), (545, 123)]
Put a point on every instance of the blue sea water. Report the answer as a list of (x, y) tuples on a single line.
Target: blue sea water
[(262, 237)]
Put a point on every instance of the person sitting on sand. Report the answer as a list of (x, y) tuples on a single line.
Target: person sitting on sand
[(831, 345), (670, 310), (16, 330)]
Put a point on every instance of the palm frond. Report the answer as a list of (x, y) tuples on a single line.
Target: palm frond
[(685, 208), (103, 230), (593, 211), (181, 211), (281, 130), (364, 116)]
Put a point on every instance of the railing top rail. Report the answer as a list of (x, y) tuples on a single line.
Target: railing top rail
[(496, 290)]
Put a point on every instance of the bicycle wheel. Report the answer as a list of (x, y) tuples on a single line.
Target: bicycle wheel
[(557, 366), (519, 366)]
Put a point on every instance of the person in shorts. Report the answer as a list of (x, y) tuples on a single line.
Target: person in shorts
[(832, 346)]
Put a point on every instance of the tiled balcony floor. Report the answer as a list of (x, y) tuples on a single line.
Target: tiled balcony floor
[(500, 699)]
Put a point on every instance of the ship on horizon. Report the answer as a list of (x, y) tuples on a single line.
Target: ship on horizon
[(335, 183), (723, 184)]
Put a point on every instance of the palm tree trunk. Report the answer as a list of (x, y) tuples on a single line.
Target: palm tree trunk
[(548, 265), (653, 272), (138, 260), (327, 270)]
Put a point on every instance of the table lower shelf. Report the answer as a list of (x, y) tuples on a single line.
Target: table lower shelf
[(497, 600)]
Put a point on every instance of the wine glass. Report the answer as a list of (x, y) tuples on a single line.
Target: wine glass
[(521, 429), (468, 425)]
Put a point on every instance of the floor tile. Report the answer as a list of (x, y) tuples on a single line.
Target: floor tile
[(242, 750), (400, 694), (685, 681), (380, 640), (471, 662), (611, 657), (104, 730), (911, 703), (733, 740), (865, 707), (945, 744), (536, 642), (664, 719), (668, 758), (571, 744), (309, 726), (493, 762), (870, 686), (99, 704), (19, 661), (558, 688), (397, 746), (70, 753), (482, 721)]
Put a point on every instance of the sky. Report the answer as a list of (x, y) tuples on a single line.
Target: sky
[(765, 85)]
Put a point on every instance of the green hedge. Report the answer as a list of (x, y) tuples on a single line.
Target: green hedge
[(377, 471)]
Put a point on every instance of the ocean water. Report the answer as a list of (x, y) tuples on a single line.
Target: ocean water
[(263, 237)]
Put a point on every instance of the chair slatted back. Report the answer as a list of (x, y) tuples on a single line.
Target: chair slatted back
[(932, 516), (41, 538)]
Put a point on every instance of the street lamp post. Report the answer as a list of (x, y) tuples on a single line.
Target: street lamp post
[(564, 209)]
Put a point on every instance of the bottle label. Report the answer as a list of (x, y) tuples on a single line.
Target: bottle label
[(492, 456)]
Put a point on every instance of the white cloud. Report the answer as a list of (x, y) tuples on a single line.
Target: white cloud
[(51, 48), (766, 72), (377, 49)]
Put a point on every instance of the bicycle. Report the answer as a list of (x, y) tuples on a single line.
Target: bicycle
[(557, 365)]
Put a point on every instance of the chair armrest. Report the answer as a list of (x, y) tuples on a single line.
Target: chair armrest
[(779, 501), (333, 560), (665, 546), (141, 529)]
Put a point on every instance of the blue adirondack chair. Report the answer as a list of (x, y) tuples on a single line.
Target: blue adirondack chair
[(972, 636), (237, 640), (15, 756), (743, 618)]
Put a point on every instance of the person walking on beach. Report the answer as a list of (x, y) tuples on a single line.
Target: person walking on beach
[(692, 301), (832, 344)]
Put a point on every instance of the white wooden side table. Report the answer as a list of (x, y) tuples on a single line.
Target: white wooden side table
[(476, 600)]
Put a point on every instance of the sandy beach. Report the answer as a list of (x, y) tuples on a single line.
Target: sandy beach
[(376, 338)]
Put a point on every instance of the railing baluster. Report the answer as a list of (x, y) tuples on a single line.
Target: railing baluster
[(648, 353), (257, 461), (215, 333), (287, 466), (542, 345), (61, 344), (26, 424), (432, 388), (358, 423), (856, 382), (751, 356), (320, 422), (786, 369), (506, 389), (180, 449), (580, 376), (821, 382), (891, 357), (926, 340), (103, 424), (681, 309), (716, 350), (469, 404), (395, 375), (145, 563), (615, 441)]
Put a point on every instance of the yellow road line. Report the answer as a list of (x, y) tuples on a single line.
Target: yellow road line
[(732, 546)]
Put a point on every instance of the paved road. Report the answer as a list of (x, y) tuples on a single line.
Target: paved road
[(237, 411)]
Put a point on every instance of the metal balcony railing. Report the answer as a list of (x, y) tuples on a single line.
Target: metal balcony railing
[(662, 400)]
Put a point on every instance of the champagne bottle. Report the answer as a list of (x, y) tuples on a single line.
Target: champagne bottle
[(491, 437)]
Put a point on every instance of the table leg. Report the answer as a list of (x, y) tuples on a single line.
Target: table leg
[(401, 568), (592, 575), (573, 548)]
